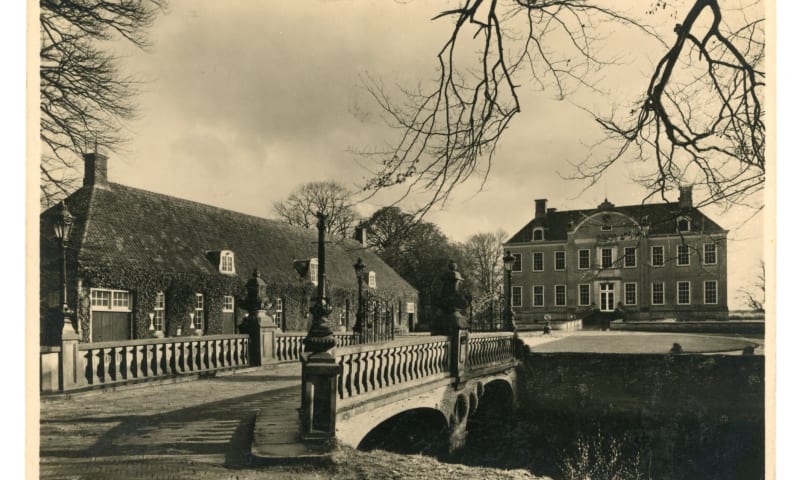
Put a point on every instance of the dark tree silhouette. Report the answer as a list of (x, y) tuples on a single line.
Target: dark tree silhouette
[(700, 120), (84, 98), (330, 198)]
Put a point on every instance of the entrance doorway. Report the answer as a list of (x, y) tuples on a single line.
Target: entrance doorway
[(606, 297)]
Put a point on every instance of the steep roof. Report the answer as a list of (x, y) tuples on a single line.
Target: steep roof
[(660, 216), (121, 225)]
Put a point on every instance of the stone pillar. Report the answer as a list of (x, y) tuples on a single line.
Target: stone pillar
[(456, 321), (70, 377), (259, 325)]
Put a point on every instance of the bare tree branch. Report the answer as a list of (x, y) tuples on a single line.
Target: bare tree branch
[(83, 97)]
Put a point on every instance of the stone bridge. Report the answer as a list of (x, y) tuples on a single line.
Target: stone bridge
[(436, 383)]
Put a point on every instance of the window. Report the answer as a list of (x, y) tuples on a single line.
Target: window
[(561, 295), (516, 296), (118, 300), (227, 303), (538, 295), (226, 264), (372, 282), (710, 254), (710, 292), (684, 224), (560, 260), (630, 257), (605, 228), (538, 261), (278, 306), (683, 255), (584, 297), (583, 259), (198, 311), (630, 294), (538, 234), (313, 270), (606, 257), (657, 256), (158, 312), (684, 293), (410, 307), (657, 290), (517, 267)]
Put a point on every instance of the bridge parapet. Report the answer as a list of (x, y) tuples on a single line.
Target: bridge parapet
[(489, 351), (366, 369)]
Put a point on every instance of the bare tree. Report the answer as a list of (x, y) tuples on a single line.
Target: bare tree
[(756, 296), (449, 133), (330, 198), (83, 95), (484, 252)]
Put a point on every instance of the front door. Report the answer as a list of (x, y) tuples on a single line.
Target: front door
[(606, 297)]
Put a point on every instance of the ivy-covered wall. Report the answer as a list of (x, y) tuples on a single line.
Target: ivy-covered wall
[(180, 290)]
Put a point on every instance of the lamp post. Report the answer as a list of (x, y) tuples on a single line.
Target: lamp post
[(508, 315), (320, 337), (62, 228), (358, 328)]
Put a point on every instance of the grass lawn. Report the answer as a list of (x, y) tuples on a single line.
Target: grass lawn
[(639, 342)]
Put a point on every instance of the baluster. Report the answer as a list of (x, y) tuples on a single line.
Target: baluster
[(364, 365), (426, 357), (237, 352), (152, 361), (386, 366), (226, 352), (219, 360)]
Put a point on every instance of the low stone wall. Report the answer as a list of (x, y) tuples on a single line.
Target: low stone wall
[(593, 384), (730, 326)]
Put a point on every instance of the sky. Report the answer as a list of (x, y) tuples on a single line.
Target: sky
[(243, 101)]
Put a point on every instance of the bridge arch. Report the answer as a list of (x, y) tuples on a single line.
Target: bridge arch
[(418, 430)]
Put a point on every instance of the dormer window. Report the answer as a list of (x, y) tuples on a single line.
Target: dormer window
[(313, 271), (538, 234), (226, 262), (684, 224), (606, 228), (371, 282)]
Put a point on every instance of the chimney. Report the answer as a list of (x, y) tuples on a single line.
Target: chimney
[(95, 170), (685, 198), (361, 235), (541, 208)]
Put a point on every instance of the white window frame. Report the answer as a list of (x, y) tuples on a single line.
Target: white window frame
[(688, 224), (517, 261), (227, 263), (411, 307), (159, 314), (705, 253), (540, 255), (678, 292), (533, 298), (540, 231), (372, 280), (279, 305), (227, 303), (625, 257), (313, 270), (705, 292), (199, 311), (653, 256), (516, 288), (653, 293), (589, 296), (94, 293), (606, 228), (555, 295), (588, 259), (555, 260), (635, 293), (678, 255), (602, 264)]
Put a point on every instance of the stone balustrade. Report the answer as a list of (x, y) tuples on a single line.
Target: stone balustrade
[(374, 367), (289, 345), (75, 365), (489, 349)]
